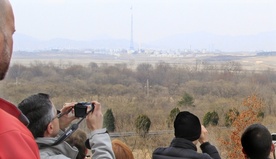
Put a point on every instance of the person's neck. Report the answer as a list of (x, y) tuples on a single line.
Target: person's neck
[(195, 142), (46, 134)]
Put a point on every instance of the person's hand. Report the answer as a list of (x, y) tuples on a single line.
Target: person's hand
[(204, 135), (67, 118), (94, 120)]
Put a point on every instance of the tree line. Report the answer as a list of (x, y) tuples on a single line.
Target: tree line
[(148, 94)]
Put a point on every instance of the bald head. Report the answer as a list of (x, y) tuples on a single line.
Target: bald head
[(7, 29), (4, 5)]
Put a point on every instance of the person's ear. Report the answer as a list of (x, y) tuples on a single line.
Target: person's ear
[(244, 153), (86, 151), (49, 130), (272, 148)]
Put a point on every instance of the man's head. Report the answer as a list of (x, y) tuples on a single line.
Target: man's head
[(187, 126), (256, 142), (7, 29), (42, 115)]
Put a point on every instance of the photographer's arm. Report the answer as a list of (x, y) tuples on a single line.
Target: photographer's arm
[(99, 140), (66, 118), (205, 146)]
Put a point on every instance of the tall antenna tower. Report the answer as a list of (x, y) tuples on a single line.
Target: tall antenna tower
[(131, 47)]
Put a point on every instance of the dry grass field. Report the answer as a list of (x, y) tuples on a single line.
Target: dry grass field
[(142, 148)]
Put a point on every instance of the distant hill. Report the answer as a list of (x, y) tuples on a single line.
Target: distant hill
[(196, 41), (24, 42)]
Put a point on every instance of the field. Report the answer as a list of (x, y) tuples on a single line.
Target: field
[(217, 82), (249, 61)]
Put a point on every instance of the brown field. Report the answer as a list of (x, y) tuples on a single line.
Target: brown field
[(142, 148)]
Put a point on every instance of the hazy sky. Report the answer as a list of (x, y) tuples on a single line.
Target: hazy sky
[(153, 19)]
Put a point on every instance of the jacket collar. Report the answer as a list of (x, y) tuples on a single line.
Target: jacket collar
[(183, 143), (14, 111)]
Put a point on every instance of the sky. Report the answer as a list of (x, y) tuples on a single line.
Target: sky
[(152, 19)]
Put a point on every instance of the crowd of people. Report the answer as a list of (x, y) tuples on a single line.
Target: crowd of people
[(31, 129)]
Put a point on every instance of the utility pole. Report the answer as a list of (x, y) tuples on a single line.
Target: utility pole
[(147, 87), (131, 47)]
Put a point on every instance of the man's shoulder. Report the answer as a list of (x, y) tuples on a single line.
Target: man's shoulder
[(15, 135), (10, 126), (10, 123), (60, 151), (11, 109), (175, 153)]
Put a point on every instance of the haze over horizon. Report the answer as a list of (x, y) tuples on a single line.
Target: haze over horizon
[(153, 20)]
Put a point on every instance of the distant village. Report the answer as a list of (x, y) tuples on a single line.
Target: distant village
[(249, 60)]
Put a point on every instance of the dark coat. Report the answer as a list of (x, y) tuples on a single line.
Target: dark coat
[(184, 149)]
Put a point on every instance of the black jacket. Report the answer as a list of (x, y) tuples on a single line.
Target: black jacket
[(184, 149)]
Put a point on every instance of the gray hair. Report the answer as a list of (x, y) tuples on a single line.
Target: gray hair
[(39, 110)]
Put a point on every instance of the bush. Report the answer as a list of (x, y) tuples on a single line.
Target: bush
[(230, 116), (231, 144), (109, 120), (211, 118), (187, 100), (172, 116), (142, 124)]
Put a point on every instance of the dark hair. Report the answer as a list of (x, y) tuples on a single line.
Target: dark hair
[(256, 141), (78, 139), (39, 110)]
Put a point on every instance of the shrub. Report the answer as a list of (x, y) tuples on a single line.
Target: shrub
[(109, 120), (232, 143), (187, 100), (230, 116), (172, 116), (142, 124), (211, 118)]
